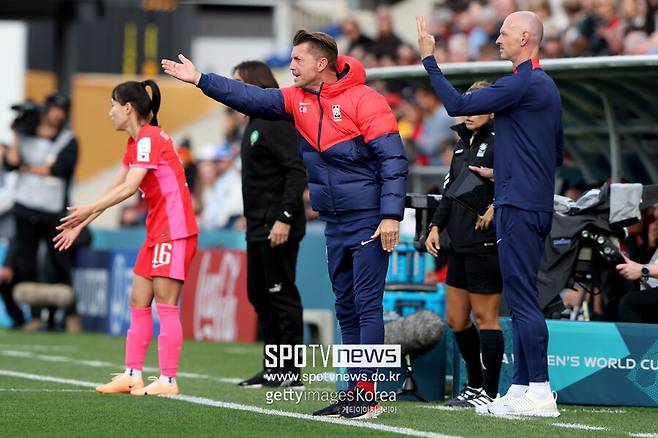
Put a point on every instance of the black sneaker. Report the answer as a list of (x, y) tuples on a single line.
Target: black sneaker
[(283, 379), (256, 381), (463, 399), (335, 409)]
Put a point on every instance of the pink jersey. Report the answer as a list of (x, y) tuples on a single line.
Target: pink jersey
[(170, 214)]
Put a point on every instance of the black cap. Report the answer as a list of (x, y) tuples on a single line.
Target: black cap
[(57, 99)]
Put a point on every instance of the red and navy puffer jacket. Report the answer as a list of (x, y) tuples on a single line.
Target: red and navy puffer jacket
[(349, 139)]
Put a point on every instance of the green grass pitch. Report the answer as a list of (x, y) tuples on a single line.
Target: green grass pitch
[(48, 399)]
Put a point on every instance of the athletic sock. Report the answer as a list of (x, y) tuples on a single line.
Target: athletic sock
[(469, 346), (170, 339), (540, 390), (138, 337), (516, 391), (133, 372), (165, 379), (366, 386), (492, 345)]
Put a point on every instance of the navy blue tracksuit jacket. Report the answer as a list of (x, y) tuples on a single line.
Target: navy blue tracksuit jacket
[(529, 146)]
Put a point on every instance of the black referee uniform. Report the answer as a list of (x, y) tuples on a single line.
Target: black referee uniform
[(473, 261), (273, 182)]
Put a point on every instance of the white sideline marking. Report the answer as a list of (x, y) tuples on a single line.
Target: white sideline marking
[(241, 407), (52, 379), (451, 409), (40, 390), (643, 435), (103, 364), (596, 410), (578, 426), (39, 347)]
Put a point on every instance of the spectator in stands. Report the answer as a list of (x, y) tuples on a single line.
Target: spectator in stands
[(573, 43), (552, 47), (637, 43), (458, 48), (222, 201), (352, 31), (410, 120), (387, 42), (466, 19), (602, 29), (435, 131)]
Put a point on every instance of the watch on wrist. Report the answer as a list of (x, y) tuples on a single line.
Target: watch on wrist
[(645, 272)]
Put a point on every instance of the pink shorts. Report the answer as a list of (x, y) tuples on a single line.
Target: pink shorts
[(166, 259)]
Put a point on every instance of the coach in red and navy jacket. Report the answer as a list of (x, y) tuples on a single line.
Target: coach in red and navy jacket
[(356, 166), (529, 145)]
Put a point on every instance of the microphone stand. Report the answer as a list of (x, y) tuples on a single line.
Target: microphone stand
[(409, 386)]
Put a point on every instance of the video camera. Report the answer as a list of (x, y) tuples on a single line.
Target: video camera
[(27, 120)]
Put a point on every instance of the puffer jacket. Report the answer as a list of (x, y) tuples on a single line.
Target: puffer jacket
[(349, 140)]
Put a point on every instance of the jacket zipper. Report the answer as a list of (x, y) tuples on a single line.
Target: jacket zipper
[(331, 188), (321, 117)]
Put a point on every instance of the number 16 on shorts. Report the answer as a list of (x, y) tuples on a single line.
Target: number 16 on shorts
[(161, 254)]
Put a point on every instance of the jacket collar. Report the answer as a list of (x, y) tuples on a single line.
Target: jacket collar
[(532, 63), (350, 73)]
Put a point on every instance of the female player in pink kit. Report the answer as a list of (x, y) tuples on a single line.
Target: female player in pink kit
[(151, 165)]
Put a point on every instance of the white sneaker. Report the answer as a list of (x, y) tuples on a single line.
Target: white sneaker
[(497, 404), (526, 405)]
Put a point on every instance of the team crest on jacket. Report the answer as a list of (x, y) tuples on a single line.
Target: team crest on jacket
[(335, 109), (481, 150)]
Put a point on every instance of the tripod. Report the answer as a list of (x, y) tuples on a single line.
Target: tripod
[(409, 386)]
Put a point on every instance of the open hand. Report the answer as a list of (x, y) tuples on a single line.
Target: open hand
[(426, 42), (65, 238), (484, 172), (185, 70), (77, 215)]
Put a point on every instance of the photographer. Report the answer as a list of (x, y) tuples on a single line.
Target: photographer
[(45, 154)]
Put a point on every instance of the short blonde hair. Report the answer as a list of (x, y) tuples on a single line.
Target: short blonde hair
[(478, 85)]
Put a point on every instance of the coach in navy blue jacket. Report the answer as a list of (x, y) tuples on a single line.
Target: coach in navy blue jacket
[(529, 146)]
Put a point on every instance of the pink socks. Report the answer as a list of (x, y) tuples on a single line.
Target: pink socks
[(138, 337), (170, 339)]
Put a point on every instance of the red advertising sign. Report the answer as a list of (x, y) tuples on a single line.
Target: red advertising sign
[(214, 305)]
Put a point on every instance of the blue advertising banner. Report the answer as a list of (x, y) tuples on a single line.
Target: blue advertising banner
[(90, 282), (102, 281), (595, 363)]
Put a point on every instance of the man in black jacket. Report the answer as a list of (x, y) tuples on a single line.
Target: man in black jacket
[(273, 181)]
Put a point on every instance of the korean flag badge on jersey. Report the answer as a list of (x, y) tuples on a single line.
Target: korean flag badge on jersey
[(144, 150)]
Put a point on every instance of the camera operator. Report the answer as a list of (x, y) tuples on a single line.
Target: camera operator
[(640, 305), (45, 154)]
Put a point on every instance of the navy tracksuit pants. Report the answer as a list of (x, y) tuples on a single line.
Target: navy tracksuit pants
[(357, 269), (521, 234)]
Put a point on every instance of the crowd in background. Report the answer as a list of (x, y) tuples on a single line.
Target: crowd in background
[(465, 31)]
